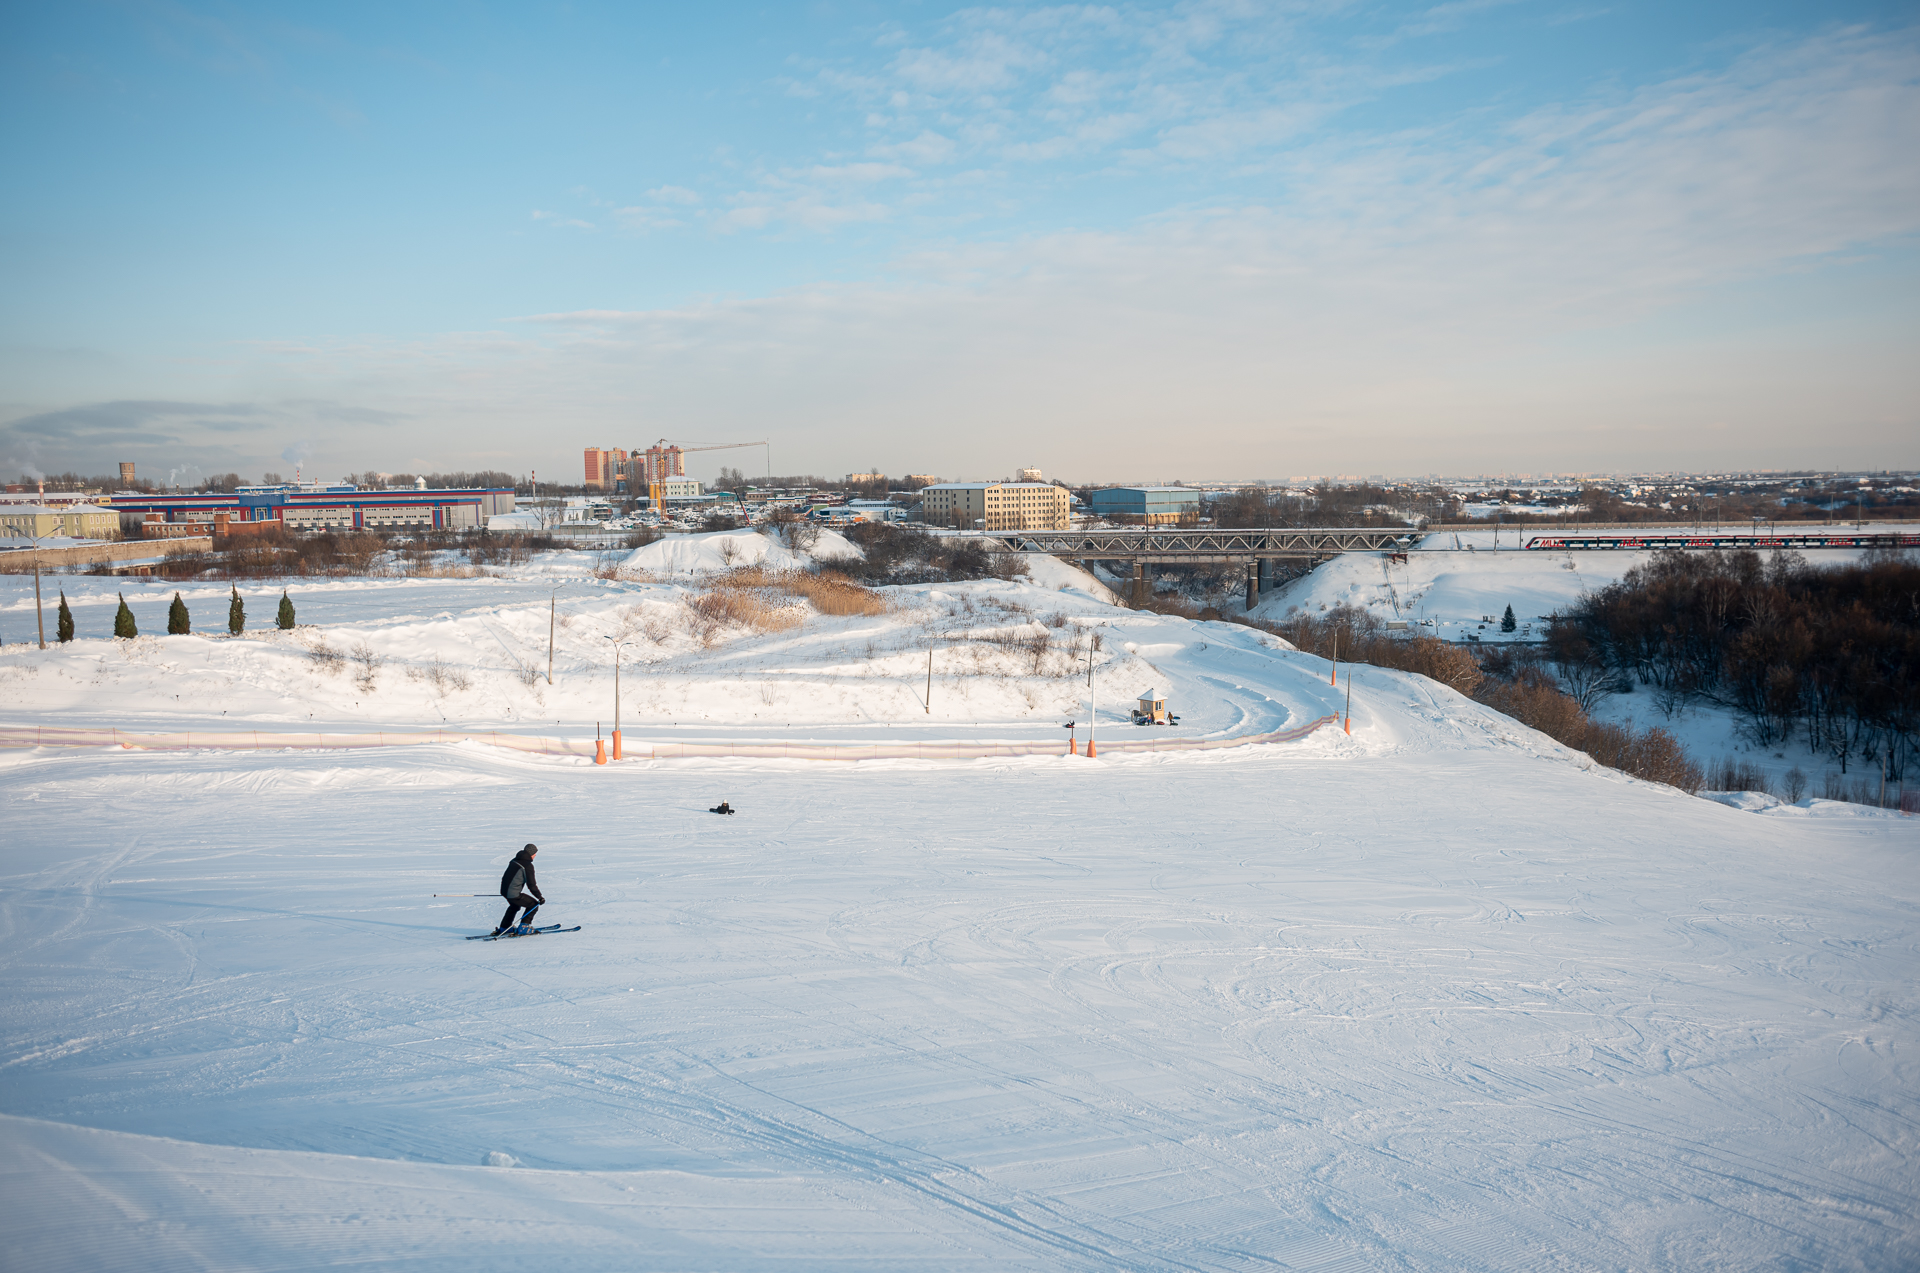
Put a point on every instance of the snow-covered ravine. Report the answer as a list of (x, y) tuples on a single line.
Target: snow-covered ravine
[(1438, 995), (1455, 581)]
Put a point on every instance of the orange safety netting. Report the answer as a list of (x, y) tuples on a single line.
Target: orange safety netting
[(273, 740)]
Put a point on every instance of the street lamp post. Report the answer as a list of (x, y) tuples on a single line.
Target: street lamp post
[(39, 608), (617, 644)]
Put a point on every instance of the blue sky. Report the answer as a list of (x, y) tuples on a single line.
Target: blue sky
[(1165, 241)]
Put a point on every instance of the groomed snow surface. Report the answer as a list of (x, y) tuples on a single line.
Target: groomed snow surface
[(1436, 996)]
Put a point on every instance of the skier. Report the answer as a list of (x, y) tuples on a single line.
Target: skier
[(516, 883), (722, 807)]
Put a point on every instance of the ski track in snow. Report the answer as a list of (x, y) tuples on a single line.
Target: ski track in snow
[(1438, 996)]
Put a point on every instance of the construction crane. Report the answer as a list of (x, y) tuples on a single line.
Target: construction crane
[(662, 460)]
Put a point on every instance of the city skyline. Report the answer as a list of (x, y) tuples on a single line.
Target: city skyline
[(1456, 237)]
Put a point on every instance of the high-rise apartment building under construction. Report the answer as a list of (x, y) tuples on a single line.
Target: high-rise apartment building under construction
[(605, 468), (657, 464)]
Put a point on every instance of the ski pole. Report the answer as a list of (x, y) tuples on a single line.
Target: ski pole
[(466, 895)]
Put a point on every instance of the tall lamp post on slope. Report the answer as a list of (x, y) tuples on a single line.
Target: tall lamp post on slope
[(617, 645), (33, 533)]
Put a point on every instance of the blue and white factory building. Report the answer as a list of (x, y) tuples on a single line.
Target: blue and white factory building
[(1153, 504), (319, 506)]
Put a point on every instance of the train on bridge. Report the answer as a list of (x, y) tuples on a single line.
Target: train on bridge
[(1693, 540)]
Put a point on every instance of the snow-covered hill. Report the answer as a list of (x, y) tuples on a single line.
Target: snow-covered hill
[(1437, 995), (1455, 582), (1008, 657)]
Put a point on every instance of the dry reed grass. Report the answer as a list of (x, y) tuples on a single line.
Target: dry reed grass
[(828, 594), (729, 606)]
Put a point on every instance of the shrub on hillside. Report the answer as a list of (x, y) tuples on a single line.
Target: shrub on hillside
[(1533, 699), (1352, 635), (894, 553)]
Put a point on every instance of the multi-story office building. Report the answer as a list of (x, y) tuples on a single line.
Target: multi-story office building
[(995, 505)]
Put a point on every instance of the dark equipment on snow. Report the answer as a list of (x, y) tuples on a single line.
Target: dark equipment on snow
[(523, 932), (722, 807)]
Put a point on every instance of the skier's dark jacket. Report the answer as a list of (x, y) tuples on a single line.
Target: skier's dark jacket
[(518, 877)]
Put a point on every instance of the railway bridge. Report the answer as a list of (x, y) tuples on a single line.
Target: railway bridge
[(1258, 549)]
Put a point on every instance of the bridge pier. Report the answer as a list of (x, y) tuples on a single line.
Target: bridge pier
[(1253, 584), (1137, 591)]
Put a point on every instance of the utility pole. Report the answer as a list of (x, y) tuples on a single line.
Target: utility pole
[(553, 607), (929, 680)]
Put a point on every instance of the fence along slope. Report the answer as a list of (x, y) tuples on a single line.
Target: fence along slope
[(548, 745)]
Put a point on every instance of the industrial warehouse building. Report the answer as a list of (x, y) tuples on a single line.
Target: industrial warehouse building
[(996, 505), (316, 506), (1153, 505)]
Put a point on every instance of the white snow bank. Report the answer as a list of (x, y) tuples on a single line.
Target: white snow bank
[(723, 550), (713, 552), (830, 545), (1811, 807), (1045, 571)]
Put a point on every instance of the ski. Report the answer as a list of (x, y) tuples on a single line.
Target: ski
[(532, 932)]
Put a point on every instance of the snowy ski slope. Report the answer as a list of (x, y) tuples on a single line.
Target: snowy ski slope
[(1438, 995)]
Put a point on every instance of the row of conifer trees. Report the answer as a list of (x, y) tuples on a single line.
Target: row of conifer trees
[(178, 623)]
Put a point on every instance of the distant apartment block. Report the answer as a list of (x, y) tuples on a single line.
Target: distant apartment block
[(604, 468), (1030, 475), (995, 505)]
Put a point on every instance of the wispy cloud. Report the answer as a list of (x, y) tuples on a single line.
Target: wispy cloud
[(1424, 297), (203, 436)]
